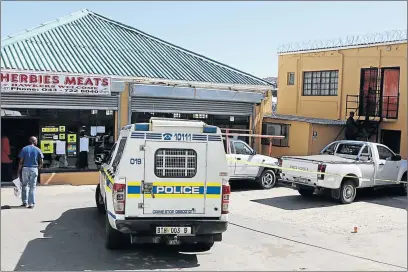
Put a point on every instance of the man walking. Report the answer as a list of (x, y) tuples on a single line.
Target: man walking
[(31, 159)]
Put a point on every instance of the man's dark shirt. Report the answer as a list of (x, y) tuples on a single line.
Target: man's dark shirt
[(351, 128)]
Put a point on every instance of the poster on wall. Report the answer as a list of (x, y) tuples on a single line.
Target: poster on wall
[(71, 138), (71, 150), (54, 83), (47, 147), (49, 133)]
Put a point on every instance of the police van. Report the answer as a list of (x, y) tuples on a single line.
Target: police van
[(165, 181)]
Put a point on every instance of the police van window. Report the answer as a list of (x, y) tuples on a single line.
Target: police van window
[(119, 153), (175, 163)]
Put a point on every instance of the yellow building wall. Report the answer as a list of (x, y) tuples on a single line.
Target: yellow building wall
[(124, 107), (325, 135), (349, 63), (299, 135)]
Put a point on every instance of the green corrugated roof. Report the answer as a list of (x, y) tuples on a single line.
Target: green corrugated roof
[(88, 43)]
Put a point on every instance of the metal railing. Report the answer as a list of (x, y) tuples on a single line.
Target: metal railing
[(373, 104)]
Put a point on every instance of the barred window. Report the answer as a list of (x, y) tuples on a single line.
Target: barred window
[(175, 163), (291, 78), (320, 83)]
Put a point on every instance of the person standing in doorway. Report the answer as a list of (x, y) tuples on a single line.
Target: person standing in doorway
[(351, 128), (31, 159), (6, 161)]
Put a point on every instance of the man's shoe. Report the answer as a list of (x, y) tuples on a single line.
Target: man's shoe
[(30, 206), (24, 205)]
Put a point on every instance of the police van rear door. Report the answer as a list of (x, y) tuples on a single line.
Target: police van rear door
[(175, 178)]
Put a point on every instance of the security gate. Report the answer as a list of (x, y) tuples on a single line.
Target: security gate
[(191, 106)]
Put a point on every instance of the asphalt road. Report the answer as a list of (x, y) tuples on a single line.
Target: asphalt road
[(270, 230)]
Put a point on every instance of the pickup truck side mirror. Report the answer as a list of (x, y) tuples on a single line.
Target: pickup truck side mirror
[(396, 158), (253, 152)]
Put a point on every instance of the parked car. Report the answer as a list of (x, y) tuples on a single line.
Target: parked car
[(243, 164), (344, 166)]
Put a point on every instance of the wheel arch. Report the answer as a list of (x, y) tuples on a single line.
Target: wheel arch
[(352, 177)]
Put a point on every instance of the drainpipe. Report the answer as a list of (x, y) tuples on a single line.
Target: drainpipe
[(298, 90), (341, 84)]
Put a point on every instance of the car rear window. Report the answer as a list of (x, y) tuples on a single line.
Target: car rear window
[(349, 149)]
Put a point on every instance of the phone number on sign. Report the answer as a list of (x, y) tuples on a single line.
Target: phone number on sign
[(55, 90)]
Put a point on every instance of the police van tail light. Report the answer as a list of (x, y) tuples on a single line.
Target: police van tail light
[(226, 191), (119, 198), (321, 168)]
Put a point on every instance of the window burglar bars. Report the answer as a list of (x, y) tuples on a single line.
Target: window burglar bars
[(175, 163)]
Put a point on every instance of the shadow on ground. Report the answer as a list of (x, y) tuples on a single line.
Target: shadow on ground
[(387, 197), (75, 242), (249, 185)]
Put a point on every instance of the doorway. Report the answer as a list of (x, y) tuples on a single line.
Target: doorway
[(392, 139), (18, 130)]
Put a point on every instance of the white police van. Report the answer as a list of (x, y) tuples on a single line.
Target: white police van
[(165, 182)]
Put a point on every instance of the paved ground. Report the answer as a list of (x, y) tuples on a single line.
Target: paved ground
[(270, 230)]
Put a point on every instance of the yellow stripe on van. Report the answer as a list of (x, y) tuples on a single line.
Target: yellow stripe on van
[(134, 183)]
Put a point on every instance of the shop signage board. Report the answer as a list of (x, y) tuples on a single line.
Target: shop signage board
[(54, 83)]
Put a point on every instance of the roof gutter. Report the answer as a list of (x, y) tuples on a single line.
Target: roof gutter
[(166, 82), (196, 84)]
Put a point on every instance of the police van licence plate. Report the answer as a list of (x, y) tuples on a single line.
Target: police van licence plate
[(173, 230)]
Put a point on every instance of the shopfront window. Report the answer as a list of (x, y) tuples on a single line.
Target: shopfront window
[(69, 139)]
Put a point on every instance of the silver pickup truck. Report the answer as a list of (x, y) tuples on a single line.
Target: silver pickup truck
[(344, 166)]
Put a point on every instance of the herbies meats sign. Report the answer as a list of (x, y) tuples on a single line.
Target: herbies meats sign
[(54, 83)]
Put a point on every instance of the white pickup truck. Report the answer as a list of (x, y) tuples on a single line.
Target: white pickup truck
[(244, 164), (344, 166)]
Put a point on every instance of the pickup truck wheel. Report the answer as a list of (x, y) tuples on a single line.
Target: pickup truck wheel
[(114, 239), (267, 180), (99, 200), (306, 192), (347, 192), (404, 185)]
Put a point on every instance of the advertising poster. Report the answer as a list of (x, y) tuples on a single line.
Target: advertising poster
[(62, 136), (72, 138), (71, 150), (47, 147)]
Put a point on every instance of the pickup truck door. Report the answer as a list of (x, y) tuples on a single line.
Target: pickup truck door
[(244, 154), (230, 157), (385, 168)]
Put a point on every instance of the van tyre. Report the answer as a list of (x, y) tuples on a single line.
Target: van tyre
[(306, 192), (267, 180), (198, 247), (114, 239), (99, 200), (348, 192)]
